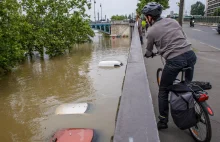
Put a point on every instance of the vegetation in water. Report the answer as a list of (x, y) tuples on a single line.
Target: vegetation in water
[(45, 26)]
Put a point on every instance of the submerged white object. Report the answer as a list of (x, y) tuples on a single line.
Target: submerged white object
[(110, 64), (73, 108)]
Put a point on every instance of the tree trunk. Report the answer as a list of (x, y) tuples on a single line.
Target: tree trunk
[(181, 12)]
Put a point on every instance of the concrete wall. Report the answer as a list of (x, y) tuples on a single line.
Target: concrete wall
[(120, 30), (136, 119)]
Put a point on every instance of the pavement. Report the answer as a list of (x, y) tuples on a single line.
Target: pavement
[(206, 43), (204, 34)]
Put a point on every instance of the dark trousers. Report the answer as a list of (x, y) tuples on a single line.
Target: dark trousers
[(170, 72), (141, 39)]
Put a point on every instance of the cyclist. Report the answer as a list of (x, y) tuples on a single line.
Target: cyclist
[(143, 24), (170, 40)]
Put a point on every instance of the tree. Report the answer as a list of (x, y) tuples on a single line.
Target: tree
[(178, 4), (198, 8), (142, 3), (45, 26), (118, 17), (217, 12), (126, 17), (11, 50), (181, 5)]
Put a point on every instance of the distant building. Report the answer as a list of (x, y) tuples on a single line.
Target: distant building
[(186, 13), (171, 13), (211, 6)]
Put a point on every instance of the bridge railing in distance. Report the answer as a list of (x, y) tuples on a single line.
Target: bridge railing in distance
[(120, 22), (135, 120), (99, 22)]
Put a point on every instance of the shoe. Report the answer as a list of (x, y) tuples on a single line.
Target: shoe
[(161, 125)]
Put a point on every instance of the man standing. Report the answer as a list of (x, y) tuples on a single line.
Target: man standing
[(170, 40), (139, 23)]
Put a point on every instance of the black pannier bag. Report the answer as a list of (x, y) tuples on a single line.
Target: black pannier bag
[(182, 109)]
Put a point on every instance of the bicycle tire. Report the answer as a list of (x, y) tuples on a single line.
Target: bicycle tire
[(159, 70), (208, 127)]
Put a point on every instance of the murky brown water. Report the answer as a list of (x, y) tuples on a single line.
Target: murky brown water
[(30, 95)]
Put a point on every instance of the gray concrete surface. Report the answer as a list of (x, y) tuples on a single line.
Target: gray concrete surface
[(207, 68), (207, 24), (203, 34), (136, 119)]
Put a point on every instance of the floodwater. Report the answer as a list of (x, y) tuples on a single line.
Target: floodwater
[(30, 94)]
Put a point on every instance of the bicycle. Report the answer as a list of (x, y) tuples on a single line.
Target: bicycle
[(202, 109)]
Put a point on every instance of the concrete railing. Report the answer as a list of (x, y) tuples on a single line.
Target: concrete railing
[(120, 22), (136, 119)]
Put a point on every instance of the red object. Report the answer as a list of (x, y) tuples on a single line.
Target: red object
[(73, 135), (203, 97), (210, 110)]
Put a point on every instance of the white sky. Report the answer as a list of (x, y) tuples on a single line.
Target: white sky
[(122, 7), (175, 8)]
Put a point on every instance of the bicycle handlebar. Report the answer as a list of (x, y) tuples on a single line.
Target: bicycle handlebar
[(152, 55)]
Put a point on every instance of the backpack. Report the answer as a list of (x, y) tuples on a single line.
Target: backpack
[(182, 109)]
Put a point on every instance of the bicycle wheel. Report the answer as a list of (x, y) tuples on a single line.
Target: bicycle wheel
[(159, 74), (202, 132)]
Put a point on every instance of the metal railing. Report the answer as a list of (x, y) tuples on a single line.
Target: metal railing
[(209, 19)]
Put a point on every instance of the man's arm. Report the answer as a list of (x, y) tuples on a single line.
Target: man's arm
[(150, 45)]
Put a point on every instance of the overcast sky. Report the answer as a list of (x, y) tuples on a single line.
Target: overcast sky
[(122, 7)]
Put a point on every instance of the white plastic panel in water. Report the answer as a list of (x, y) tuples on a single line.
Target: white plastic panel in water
[(110, 63), (79, 108)]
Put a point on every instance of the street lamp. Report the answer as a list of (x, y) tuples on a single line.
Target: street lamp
[(94, 9), (101, 11)]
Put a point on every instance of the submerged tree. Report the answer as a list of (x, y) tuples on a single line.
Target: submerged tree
[(45, 26)]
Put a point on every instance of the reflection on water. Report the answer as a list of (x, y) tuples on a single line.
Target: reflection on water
[(30, 95)]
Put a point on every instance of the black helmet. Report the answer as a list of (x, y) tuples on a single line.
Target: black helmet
[(152, 9)]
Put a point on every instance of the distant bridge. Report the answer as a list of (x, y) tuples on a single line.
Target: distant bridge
[(103, 27), (113, 28)]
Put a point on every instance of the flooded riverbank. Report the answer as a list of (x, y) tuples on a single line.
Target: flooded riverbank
[(30, 95)]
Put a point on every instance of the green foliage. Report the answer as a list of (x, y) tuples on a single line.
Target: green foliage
[(198, 8), (45, 26), (142, 3), (11, 50), (216, 12), (118, 17)]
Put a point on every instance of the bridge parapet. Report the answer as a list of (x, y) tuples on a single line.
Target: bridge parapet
[(120, 22), (136, 119)]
